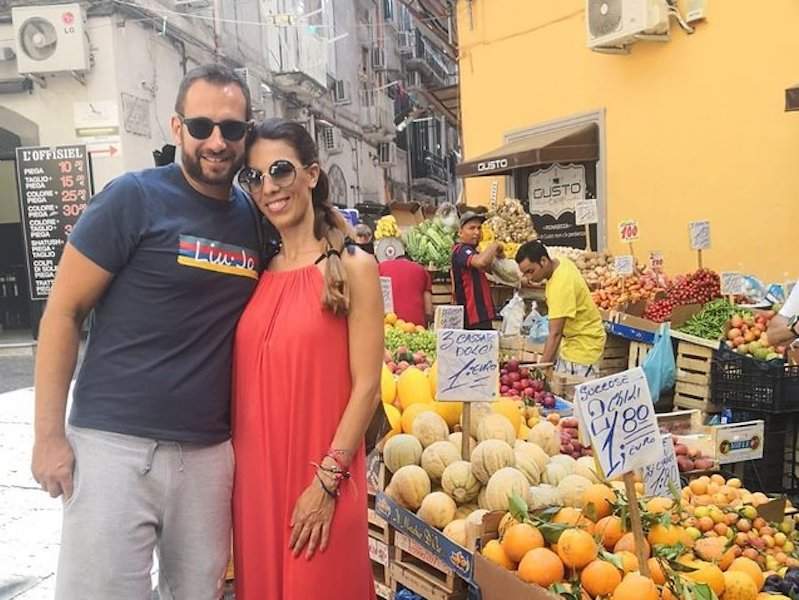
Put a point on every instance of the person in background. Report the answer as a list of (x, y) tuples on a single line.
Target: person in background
[(469, 266), (364, 239), (576, 335), (411, 289), (784, 327)]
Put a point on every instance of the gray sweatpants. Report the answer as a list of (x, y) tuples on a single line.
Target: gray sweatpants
[(133, 495)]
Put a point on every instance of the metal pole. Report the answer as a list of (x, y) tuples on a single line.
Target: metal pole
[(409, 138)]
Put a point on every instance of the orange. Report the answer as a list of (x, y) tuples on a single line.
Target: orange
[(627, 542), (659, 505), (577, 548), (493, 551), (609, 530), (574, 517), (636, 587), (707, 573), (413, 411), (698, 487), (738, 586), (519, 539), (541, 566), (662, 535), (629, 561), (656, 571), (750, 567), (601, 498), (600, 578)]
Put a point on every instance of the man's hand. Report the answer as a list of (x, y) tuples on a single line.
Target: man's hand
[(52, 465)]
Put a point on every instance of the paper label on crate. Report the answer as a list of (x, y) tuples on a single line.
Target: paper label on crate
[(468, 365), (378, 551), (373, 467), (449, 317), (585, 211), (732, 284), (700, 235), (624, 265), (628, 231), (662, 475), (617, 416), (738, 442), (388, 295)]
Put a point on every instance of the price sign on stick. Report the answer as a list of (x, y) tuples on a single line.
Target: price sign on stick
[(585, 211), (656, 260), (624, 265), (468, 365), (388, 295), (700, 235), (449, 317), (628, 231), (732, 283), (662, 475)]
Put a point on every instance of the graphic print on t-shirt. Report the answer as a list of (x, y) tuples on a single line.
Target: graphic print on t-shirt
[(216, 256)]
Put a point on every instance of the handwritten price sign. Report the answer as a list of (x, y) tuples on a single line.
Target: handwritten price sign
[(388, 295), (449, 317), (617, 415), (468, 365), (585, 211), (624, 265), (663, 474), (700, 235), (732, 284), (628, 231)]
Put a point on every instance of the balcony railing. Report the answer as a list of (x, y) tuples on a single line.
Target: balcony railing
[(426, 165), (295, 51), (428, 60)]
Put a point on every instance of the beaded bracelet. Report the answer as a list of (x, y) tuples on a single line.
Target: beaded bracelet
[(332, 493)]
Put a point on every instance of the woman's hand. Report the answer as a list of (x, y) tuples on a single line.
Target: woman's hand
[(310, 521)]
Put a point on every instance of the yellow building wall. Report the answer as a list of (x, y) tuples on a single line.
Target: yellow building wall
[(695, 127)]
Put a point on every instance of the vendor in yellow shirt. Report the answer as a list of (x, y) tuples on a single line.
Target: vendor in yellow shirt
[(576, 335)]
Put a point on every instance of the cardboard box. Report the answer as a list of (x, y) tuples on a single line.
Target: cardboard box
[(680, 422), (737, 442), (407, 214), (630, 324)]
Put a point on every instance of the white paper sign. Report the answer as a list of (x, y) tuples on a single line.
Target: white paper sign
[(700, 235), (617, 416), (468, 365), (624, 265), (388, 295), (656, 260), (449, 317), (732, 283), (660, 475), (585, 211)]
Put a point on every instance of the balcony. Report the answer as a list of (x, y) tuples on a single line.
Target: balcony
[(430, 175), (377, 116), (298, 59), (429, 62)]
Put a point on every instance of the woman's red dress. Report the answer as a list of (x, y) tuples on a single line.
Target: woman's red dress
[(291, 386)]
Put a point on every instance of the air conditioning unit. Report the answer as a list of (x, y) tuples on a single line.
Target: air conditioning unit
[(50, 39), (378, 58), (405, 42), (331, 140), (257, 90), (614, 23), (342, 92), (387, 154)]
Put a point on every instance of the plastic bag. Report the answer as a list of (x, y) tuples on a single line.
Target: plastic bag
[(507, 271), (448, 215), (513, 315), (537, 326), (659, 366)]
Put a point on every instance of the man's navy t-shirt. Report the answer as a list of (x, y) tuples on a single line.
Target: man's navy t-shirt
[(158, 358)]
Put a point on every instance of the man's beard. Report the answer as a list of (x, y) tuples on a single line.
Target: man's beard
[(194, 168)]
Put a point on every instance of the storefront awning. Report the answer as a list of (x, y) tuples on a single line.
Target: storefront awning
[(792, 98), (570, 144)]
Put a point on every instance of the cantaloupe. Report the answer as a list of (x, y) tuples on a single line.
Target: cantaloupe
[(491, 456), (586, 466), (400, 451), (409, 486), (527, 465), (535, 452), (413, 387), (554, 473), (572, 489), (496, 427), (504, 484), (479, 410), (459, 482), (410, 413), (457, 437), (430, 427), (456, 531), (567, 461), (437, 510), (544, 495), (545, 435), (438, 456)]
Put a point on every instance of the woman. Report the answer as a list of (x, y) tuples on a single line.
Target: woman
[(306, 383)]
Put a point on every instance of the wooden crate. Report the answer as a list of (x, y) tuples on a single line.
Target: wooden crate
[(638, 353), (382, 578), (614, 356), (425, 565), (379, 528), (376, 476), (403, 577), (563, 384), (692, 389), (442, 294)]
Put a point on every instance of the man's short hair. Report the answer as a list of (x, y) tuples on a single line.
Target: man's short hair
[(362, 229), (216, 74), (532, 251)]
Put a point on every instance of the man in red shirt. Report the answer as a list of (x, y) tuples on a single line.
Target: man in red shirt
[(411, 288)]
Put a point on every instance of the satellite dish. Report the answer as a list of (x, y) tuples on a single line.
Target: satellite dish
[(389, 248), (38, 38)]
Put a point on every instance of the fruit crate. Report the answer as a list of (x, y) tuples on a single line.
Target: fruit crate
[(404, 578), (379, 529), (425, 565), (742, 383), (692, 388), (615, 356), (380, 555), (637, 354), (777, 471)]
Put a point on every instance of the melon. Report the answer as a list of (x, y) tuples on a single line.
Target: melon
[(572, 489), (586, 466), (430, 427), (496, 427), (479, 410), (410, 413), (567, 461), (388, 386), (545, 435), (450, 411), (544, 495), (475, 518), (456, 531), (535, 452), (527, 465), (554, 473), (400, 451), (438, 456), (464, 510), (437, 510), (489, 457), (413, 388), (459, 482), (504, 484), (394, 417), (457, 437), (409, 486), (508, 408), (432, 378)]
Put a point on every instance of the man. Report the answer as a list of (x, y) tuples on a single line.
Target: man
[(363, 238), (469, 281), (166, 258), (576, 335), (411, 290)]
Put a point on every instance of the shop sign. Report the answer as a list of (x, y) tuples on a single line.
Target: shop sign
[(54, 190), (492, 165), (555, 190)]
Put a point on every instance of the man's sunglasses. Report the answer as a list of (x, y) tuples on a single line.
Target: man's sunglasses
[(282, 173), (201, 128)]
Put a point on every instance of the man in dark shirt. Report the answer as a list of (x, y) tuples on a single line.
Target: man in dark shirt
[(469, 281), (167, 258)]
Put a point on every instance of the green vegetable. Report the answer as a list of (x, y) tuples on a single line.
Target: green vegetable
[(429, 243), (709, 323)]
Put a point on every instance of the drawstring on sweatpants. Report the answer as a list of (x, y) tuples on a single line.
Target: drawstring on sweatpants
[(180, 456), (150, 456)]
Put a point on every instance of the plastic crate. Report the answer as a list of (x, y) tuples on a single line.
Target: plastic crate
[(777, 470), (739, 382)]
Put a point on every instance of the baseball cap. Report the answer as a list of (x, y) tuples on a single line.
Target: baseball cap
[(470, 215)]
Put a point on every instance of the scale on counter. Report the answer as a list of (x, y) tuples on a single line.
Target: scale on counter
[(389, 248)]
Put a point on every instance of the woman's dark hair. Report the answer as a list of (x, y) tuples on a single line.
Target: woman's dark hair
[(218, 75), (532, 251), (329, 225)]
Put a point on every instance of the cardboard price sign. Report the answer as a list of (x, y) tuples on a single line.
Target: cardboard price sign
[(468, 365), (585, 211), (732, 284), (628, 231), (448, 317), (617, 416), (656, 260), (624, 265), (388, 295), (663, 474), (700, 235)]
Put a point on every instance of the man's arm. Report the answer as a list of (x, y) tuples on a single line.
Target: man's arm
[(485, 259), (553, 341), (78, 285), (428, 306)]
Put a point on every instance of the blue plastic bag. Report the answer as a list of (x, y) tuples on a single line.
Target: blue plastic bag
[(537, 326), (659, 366)]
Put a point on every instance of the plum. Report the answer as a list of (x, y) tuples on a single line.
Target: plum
[(681, 450), (549, 401), (513, 365), (684, 464), (525, 382), (528, 391), (503, 390)]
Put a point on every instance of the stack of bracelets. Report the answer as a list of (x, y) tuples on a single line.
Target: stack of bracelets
[(338, 471)]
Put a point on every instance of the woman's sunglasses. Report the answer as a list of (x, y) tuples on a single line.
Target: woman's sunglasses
[(201, 128), (282, 173)]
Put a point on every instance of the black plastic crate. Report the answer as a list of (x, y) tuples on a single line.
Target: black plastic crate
[(739, 382), (777, 471)]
